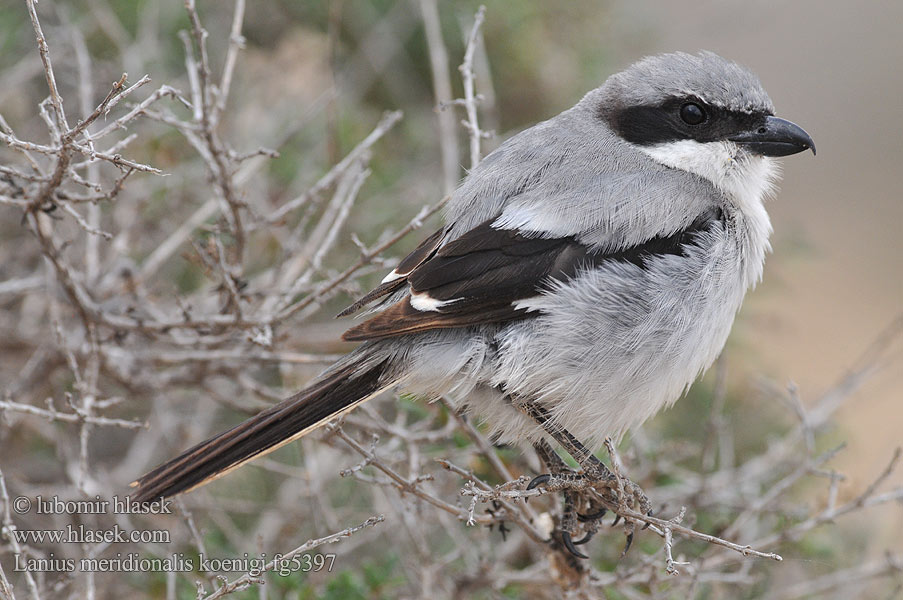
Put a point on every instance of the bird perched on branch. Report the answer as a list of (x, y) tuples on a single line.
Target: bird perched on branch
[(589, 271)]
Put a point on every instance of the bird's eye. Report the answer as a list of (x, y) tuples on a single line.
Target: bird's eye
[(692, 114)]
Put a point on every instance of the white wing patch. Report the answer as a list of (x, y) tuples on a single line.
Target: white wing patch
[(393, 276), (531, 304), (424, 302)]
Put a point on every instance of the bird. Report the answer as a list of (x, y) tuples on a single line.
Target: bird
[(589, 270)]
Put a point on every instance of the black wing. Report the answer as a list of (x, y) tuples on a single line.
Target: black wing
[(398, 278), (479, 277)]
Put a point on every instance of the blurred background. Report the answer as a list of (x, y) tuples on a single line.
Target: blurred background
[(315, 77)]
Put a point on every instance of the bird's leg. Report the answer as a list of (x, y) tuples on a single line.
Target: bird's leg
[(550, 458), (592, 466), (561, 474), (559, 471), (626, 493)]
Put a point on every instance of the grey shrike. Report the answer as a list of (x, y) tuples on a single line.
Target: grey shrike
[(590, 269)]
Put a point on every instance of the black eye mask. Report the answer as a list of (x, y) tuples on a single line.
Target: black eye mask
[(680, 119)]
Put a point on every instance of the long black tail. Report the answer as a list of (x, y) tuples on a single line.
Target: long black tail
[(327, 398)]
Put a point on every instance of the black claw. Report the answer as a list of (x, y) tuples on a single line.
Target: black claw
[(592, 516), (569, 545), (616, 521), (585, 539), (538, 480), (627, 545), (646, 526)]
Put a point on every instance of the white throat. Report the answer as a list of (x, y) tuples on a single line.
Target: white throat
[(745, 180)]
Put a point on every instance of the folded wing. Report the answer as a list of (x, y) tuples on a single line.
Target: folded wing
[(479, 277)]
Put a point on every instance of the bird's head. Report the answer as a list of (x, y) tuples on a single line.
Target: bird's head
[(702, 114)]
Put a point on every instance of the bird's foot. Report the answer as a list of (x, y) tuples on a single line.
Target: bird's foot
[(588, 496), (613, 492)]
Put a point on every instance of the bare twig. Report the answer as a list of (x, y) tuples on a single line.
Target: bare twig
[(385, 124), (52, 414), (247, 580), (44, 51), (207, 97), (9, 529), (627, 513), (670, 563), (470, 99), (366, 257), (236, 43), (890, 565), (442, 90)]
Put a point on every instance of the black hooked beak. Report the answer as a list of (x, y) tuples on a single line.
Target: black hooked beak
[(775, 137)]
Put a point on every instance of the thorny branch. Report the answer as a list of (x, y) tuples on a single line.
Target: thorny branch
[(442, 90), (206, 98), (248, 580), (129, 291), (470, 98), (8, 533)]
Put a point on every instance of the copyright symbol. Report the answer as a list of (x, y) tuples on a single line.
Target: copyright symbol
[(21, 505)]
